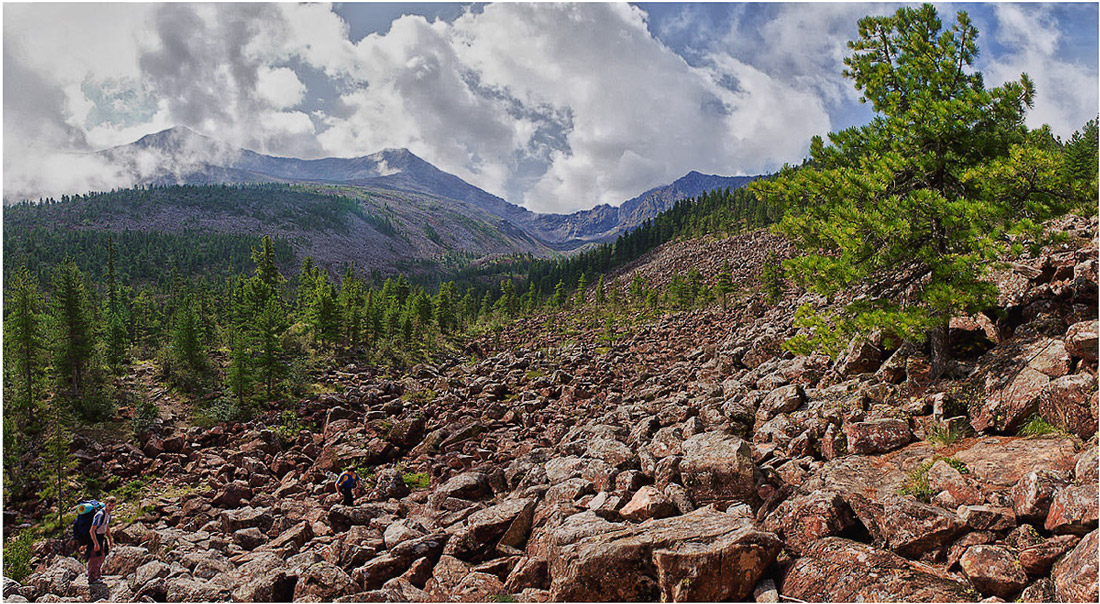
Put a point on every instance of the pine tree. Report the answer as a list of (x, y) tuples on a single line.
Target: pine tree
[(269, 327), (601, 297), (558, 299), (187, 342), (24, 340), (266, 270), (582, 285), (324, 314), (444, 309), (73, 330), (724, 284), (927, 189), (238, 375)]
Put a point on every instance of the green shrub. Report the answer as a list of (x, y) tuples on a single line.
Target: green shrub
[(1037, 426), (130, 490), (416, 480), (916, 482), (144, 414), (943, 436), (17, 556), (290, 427)]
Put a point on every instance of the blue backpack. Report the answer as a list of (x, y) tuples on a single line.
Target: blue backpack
[(85, 513), (347, 480)]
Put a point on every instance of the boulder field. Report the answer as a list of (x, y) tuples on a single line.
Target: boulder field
[(686, 458)]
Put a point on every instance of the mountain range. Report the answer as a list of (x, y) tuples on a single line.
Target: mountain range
[(181, 156)]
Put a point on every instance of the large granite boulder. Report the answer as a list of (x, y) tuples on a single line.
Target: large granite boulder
[(704, 555)]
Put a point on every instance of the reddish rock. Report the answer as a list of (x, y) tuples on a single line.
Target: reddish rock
[(1032, 496), (507, 523), (1009, 400), (705, 555), (942, 476), (1037, 559), (993, 570), (647, 503), (1074, 510), (1000, 461), (1039, 591), (1075, 575), (717, 468), (1081, 340), (877, 436), (477, 587), (799, 521), (912, 528), (838, 570), (861, 357), (986, 518), (529, 573), (1064, 403), (231, 494), (468, 485), (781, 400), (613, 452), (1087, 467), (323, 582), (1049, 356)]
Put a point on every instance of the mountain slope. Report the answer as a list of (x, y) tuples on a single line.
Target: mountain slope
[(374, 228), (605, 222), (182, 156)]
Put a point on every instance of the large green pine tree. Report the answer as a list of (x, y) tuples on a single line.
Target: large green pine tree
[(922, 195)]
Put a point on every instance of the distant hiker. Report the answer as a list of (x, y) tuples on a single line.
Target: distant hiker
[(346, 483), (101, 540)]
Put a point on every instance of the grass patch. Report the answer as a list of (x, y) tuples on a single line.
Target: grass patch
[(916, 482), (1037, 426), (945, 435), (535, 374), (503, 598), (422, 397), (130, 490), (958, 465), (416, 481)]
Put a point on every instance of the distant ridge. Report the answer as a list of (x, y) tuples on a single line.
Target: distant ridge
[(182, 156)]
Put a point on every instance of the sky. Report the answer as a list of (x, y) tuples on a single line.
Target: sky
[(556, 107)]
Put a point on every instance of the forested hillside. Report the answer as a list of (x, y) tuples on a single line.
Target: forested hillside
[(379, 231)]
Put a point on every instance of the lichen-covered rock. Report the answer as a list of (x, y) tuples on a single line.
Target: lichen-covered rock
[(799, 521), (1008, 401), (1064, 403), (1074, 510), (834, 569), (994, 570), (877, 436), (1081, 339), (1033, 494), (717, 468), (912, 528), (705, 555), (647, 503), (1037, 559), (1075, 575), (323, 582)]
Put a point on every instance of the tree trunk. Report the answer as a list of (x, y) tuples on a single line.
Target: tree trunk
[(941, 351)]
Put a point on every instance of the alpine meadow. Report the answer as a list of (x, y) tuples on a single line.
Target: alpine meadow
[(530, 302)]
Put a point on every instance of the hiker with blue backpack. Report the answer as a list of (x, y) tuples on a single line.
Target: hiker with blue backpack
[(346, 484), (92, 529)]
